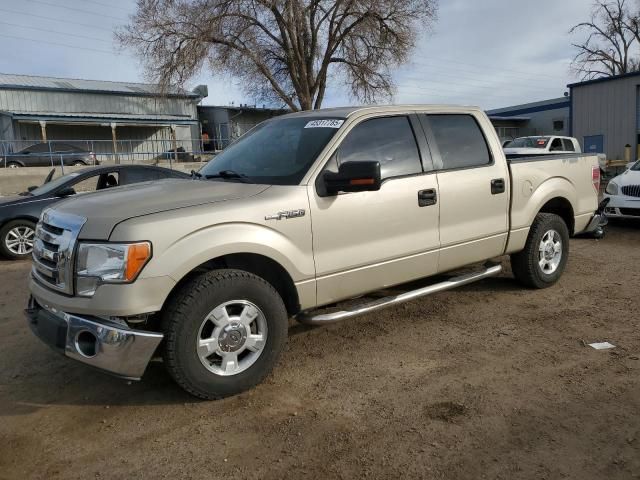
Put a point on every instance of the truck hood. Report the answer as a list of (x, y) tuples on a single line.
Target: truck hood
[(104, 210)]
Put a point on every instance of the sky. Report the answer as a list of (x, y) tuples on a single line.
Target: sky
[(490, 53)]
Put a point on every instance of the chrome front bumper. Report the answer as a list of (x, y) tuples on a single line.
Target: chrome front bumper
[(102, 344)]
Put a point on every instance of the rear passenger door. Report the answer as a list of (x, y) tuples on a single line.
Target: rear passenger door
[(473, 189), (363, 241)]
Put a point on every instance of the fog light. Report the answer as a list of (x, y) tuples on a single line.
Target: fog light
[(86, 344)]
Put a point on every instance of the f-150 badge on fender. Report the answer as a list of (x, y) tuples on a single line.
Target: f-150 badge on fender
[(286, 214)]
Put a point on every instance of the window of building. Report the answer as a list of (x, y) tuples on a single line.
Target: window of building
[(558, 125), (460, 141), (387, 140)]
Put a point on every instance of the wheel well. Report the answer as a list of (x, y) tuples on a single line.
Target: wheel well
[(561, 207), (24, 217), (263, 267)]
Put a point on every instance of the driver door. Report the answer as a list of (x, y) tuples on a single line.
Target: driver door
[(365, 241)]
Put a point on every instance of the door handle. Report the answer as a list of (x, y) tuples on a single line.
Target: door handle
[(497, 186), (427, 197)]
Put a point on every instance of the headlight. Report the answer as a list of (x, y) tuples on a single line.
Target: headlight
[(612, 188), (109, 263)]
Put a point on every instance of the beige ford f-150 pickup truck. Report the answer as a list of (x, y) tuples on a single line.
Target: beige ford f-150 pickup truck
[(304, 211)]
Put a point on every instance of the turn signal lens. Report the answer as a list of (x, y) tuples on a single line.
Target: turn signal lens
[(595, 178), (137, 256), (362, 181)]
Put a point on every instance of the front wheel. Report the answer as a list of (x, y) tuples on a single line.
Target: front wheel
[(224, 332), (545, 254)]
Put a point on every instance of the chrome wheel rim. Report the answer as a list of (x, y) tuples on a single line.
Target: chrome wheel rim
[(550, 252), (19, 240), (14, 165), (231, 337)]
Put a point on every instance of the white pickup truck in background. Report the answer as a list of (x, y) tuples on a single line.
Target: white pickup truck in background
[(542, 145)]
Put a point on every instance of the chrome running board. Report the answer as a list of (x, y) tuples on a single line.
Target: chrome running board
[(309, 318)]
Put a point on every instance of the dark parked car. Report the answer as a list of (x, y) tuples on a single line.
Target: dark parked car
[(49, 154), (19, 215)]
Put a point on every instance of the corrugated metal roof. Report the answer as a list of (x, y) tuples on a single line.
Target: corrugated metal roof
[(116, 117), (71, 84)]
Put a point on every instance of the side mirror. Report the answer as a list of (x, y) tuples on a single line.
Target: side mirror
[(353, 177), (65, 192)]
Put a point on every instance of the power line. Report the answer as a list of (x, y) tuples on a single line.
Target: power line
[(474, 78), (494, 87), (56, 32), (79, 10), (106, 5), (475, 65), (493, 72), (64, 45), (67, 22)]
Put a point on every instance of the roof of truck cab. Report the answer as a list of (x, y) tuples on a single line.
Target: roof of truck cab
[(345, 112)]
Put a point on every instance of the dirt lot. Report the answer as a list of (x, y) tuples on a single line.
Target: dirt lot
[(490, 381)]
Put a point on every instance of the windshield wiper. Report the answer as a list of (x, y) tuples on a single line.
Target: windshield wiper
[(226, 174), (195, 174)]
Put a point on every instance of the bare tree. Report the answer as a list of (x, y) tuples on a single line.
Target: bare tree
[(282, 50), (611, 47)]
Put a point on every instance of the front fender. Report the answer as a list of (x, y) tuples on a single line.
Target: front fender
[(198, 247)]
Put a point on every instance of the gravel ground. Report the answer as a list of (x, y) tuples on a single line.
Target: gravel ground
[(489, 381)]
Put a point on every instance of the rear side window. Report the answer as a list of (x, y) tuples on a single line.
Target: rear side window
[(556, 145), (460, 141), (568, 145), (136, 175), (387, 140)]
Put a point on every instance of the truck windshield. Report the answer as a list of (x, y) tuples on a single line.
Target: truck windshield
[(276, 152), (528, 142)]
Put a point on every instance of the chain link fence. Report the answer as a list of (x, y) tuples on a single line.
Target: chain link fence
[(61, 153)]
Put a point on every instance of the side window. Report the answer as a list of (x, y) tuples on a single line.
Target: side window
[(568, 145), (460, 141), (108, 180), (387, 140), (39, 148), (137, 175), (87, 185), (556, 145)]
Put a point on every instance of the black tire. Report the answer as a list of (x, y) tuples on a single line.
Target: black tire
[(79, 163), (187, 310), (4, 232), (13, 165), (526, 264)]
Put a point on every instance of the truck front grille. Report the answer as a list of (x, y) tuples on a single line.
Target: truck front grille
[(631, 190), (53, 249)]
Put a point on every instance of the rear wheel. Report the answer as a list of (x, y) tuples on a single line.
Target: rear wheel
[(224, 332), (13, 165), (16, 239), (78, 163), (545, 254)]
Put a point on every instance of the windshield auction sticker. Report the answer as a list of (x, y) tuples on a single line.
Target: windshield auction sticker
[(324, 124)]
